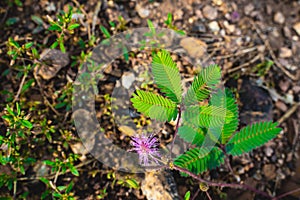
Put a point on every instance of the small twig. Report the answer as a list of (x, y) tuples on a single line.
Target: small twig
[(20, 87), (45, 98), (176, 130), (286, 194), (230, 185), (289, 113), (95, 15), (241, 52), (196, 194), (85, 13), (274, 58), (56, 175), (208, 196), (244, 65)]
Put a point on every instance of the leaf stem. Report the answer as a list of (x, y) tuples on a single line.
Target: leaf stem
[(176, 130)]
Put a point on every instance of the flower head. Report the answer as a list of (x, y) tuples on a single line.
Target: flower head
[(146, 147)]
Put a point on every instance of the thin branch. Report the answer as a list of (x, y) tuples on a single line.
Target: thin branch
[(230, 185), (176, 130), (286, 194)]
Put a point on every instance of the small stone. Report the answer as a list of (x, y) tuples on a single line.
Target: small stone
[(285, 52), (279, 18), (269, 171), (296, 88), (287, 32), (268, 151), (269, 9), (214, 26), (230, 28), (199, 27), (248, 9), (136, 20), (196, 48), (281, 106), (127, 80), (296, 27), (284, 85), (143, 13), (210, 12), (52, 60), (218, 2)]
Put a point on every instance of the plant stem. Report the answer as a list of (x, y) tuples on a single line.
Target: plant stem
[(176, 130), (286, 194), (231, 185)]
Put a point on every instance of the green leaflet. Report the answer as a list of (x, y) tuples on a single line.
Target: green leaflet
[(207, 116), (199, 160), (227, 101), (251, 137), (154, 106), (203, 83), (166, 75), (191, 134)]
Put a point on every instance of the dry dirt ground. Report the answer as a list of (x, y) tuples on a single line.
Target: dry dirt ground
[(243, 37)]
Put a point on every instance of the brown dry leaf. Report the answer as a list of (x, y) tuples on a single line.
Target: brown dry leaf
[(52, 61)]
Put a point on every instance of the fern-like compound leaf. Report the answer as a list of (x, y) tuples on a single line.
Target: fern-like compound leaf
[(167, 76), (251, 137), (191, 134), (202, 85), (154, 106), (207, 116), (199, 160), (225, 99)]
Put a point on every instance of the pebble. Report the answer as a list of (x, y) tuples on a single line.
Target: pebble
[(248, 9), (296, 27), (281, 106), (210, 12), (199, 27), (287, 32), (284, 85), (127, 80), (268, 151), (229, 27), (143, 12), (196, 48), (214, 26), (285, 52), (269, 171), (279, 18), (218, 2)]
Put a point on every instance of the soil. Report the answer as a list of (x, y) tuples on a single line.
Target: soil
[(240, 36)]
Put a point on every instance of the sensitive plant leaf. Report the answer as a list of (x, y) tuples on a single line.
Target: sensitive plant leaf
[(154, 106), (202, 85), (251, 137), (191, 134), (225, 99), (167, 76), (207, 116), (199, 160)]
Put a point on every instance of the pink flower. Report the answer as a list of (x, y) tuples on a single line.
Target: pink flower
[(146, 147)]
